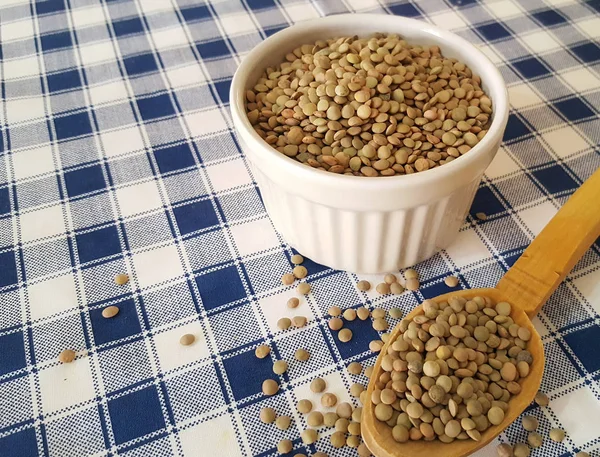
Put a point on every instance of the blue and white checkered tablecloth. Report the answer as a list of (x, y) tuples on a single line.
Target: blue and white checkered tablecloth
[(117, 155)]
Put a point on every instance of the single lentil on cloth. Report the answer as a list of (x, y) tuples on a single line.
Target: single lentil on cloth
[(369, 106), (117, 158)]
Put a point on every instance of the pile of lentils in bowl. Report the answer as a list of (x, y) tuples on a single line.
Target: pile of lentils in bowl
[(375, 106), (452, 371)]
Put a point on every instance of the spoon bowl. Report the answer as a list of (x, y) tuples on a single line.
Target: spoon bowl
[(526, 286), (378, 435)]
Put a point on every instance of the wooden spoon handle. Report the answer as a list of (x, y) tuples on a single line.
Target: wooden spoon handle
[(554, 252)]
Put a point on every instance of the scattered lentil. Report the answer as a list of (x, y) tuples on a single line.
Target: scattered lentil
[(383, 288), (349, 314), (504, 450), (582, 454), (309, 436), (270, 387), (297, 259), (303, 288), (535, 439), (288, 279), (413, 284), (521, 450), (390, 278), (304, 406), (284, 446), (353, 441), (302, 355), (345, 335), (262, 351), (363, 313), (451, 281), (335, 311), (481, 216), (530, 423), (293, 302), (66, 356), (411, 274), (315, 419), (354, 368), (318, 385), (396, 288), (267, 415), (328, 400), (344, 410), (363, 285), (283, 422), (557, 434), (121, 279), (280, 367), (338, 439), (284, 323), (356, 389), (187, 339), (363, 450), (329, 419), (335, 323), (110, 311), (395, 313), (300, 272), (542, 399), (298, 321)]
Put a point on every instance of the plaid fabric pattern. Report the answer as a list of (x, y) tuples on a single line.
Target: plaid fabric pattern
[(117, 155)]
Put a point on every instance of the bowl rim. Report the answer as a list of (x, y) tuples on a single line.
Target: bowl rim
[(488, 72)]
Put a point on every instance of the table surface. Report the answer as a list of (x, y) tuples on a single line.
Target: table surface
[(117, 155)]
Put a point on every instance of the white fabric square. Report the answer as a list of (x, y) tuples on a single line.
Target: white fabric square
[(157, 265), (66, 384), (255, 236), (52, 296), (22, 109), (122, 141), (565, 141), (228, 175), (185, 76), (17, 30), (97, 52), (110, 92), (169, 37), (467, 248), (523, 95), (490, 53), (581, 79), (205, 122), (89, 15), (18, 68), (303, 11), (502, 165), (273, 307), (536, 217), (568, 409), (41, 223), (138, 198), (171, 354), (237, 24), (154, 6), (214, 436), (32, 162), (590, 26), (359, 5), (589, 286), (504, 9), (540, 41), (449, 20)]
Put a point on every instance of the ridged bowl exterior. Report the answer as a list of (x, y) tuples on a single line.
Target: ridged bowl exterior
[(359, 224)]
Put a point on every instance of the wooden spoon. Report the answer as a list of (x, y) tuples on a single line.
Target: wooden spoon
[(526, 286)]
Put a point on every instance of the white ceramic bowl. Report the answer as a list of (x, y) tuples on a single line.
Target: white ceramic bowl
[(359, 224)]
